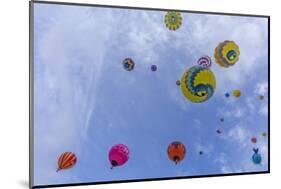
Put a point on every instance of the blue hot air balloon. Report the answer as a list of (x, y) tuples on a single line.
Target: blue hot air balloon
[(227, 95), (256, 158)]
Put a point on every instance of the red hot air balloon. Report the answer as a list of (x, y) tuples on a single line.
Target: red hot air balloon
[(118, 155), (66, 161), (254, 140), (176, 152)]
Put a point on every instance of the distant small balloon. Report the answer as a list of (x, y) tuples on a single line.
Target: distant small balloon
[(222, 119), (153, 68), (237, 93), (219, 131), (261, 97), (128, 64), (205, 61), (226, 95), (254, 140), (178, 82), (264, 134), (201, 153)]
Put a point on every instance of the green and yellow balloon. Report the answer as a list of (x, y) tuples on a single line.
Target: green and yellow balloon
[(198, 84), (227, 54), (173, 20)]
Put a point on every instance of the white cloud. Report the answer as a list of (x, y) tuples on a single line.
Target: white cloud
[(68, 58), (261, 88)]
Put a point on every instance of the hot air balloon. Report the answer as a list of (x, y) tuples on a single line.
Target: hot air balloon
[(261, 97), (198, 84), (201, 153), (178, 82), (226, 95), (227, 53), (264, 134), (118, 155), (153, 68), (128, 64), (176, 152), (173, 20), (256, 158), (218, 131), (205, 61), (237, 93), (66, 161), (254, 140), (222, 119)]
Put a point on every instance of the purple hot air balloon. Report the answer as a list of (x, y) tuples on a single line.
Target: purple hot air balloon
[(153, 68), (118, 155), (205, 61)]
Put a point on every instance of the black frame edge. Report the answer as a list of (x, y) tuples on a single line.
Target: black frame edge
[(148, 8), (31, 92)]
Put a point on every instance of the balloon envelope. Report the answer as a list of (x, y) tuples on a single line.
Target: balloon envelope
[(66, 161), (173, 20), (254, 140), (153, 68), (204, 61), (176, 151), (226, 95), (198, 84), (256, 158), (227, 53), (128, 64), (237, 93), (118, 155)]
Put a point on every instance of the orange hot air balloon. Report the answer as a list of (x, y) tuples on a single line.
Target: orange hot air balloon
[(176, 152), (66, 161)]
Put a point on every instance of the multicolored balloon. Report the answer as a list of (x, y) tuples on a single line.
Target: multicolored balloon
[(256, 158), (227, 53), (153, 68), (205, 61), (128, 64), (237, 93), (66, 161), (176, 152), (173, 20), (198, 84), (118, 155)]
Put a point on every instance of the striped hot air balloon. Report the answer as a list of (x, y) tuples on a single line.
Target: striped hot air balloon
[(66, 161)]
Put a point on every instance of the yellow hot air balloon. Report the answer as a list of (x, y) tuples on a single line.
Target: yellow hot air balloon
[(227, 53), (198, 84), (173, 20), (237, 93)]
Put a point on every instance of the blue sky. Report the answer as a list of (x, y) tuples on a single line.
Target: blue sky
[(85, 101)]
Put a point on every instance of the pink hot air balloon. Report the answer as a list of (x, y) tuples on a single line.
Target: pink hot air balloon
[(118, 155)]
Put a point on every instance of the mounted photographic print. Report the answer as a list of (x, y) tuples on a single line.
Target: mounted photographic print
[(125, 94)]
